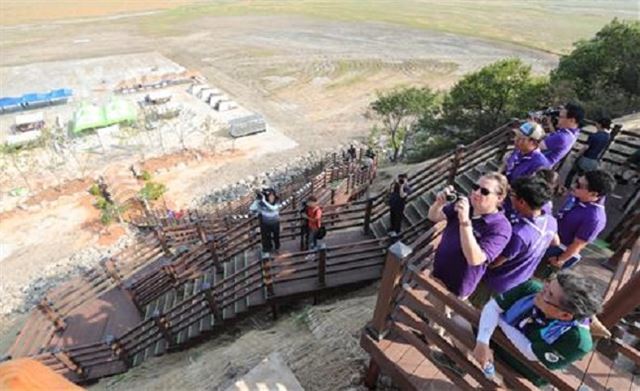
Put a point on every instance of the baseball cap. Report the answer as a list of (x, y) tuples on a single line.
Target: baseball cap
[(531, 130)]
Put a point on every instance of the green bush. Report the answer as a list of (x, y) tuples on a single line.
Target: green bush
[(94, 190), (145, 176), (602, 73), (152, 191)]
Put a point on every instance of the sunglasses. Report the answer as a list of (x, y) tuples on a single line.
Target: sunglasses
[(483, 190)]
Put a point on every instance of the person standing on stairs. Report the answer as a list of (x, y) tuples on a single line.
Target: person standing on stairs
[(398, 192), (580, 221), (589, 159), (532, 232), (313, 216), (267, 207), (558, 144), (476, 233), (525, 160)]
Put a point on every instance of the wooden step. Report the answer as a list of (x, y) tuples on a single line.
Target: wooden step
[(378, 230), (229, 268), (240, 305), (194, 330), (208, 322), (411, 214), (464, 184)]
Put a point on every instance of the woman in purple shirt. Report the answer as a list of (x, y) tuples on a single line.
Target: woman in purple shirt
[(580, 221), (476, 233), (533, 230)]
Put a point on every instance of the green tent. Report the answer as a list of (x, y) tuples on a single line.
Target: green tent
[(91, 116), (120, 110), (88, 116)]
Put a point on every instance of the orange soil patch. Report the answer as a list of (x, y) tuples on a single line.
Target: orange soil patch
[(13, 12), (53, 193)]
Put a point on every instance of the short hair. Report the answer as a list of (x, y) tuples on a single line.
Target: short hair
[(312, 198), (533, 190), (501, 180), (552, 178), (600, 181), (605, 122), (581, 295), (575, 111)]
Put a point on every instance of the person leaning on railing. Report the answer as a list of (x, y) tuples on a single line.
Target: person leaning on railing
[(591, 153), (580, 221), (476, 233), (547, 323)]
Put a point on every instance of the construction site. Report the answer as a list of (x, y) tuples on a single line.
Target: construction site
[(133, 144)]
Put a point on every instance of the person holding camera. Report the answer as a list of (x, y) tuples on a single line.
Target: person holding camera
[(589, 159), (476, 233), (559, 143), (532, 232), (267, 207), (398, 192)]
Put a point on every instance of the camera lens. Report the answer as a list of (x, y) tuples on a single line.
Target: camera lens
[(452, 197)]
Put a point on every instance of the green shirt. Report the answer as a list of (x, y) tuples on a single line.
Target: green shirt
[(571, 346)]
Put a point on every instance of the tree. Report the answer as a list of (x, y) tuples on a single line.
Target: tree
[(604, 71), (399, 109), (483, 100)]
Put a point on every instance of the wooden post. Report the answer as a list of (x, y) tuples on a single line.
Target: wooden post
[(110, 267), (457, 158), (622, 303), (367, 216), (201, 233), (118, 350), (303, 236), (371, 379), (391, 275), (170, 272), (349, 183), (211, 302), (45, 306), (163, 241), (213, 249), (333, 196), (161, 324), (267, 280), (322, 264), (68, 362)]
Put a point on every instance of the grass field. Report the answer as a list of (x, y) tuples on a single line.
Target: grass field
[(549, 25)]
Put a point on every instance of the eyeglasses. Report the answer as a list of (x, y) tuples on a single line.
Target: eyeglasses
[(483, 190)]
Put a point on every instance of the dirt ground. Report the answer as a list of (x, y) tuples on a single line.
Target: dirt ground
[(311, 79)]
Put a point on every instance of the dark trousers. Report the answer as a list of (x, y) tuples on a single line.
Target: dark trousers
[(270, 236), (312, 241), (396, 213)]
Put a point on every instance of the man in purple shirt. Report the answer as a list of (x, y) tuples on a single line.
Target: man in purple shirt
[(526, 159), (580, 221), (559, 143), (474, 236), (532, 232)]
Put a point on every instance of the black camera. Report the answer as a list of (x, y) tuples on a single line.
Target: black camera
[(452, 197), (553, 113)]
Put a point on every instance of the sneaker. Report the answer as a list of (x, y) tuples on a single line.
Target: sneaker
[(442, 360)]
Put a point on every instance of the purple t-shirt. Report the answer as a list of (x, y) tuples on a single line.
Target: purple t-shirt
[(529, 240), (492, 232), (582, 220), (559, 143), (519, 164)]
